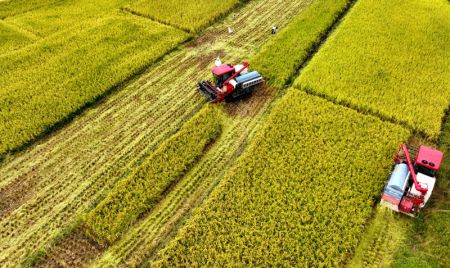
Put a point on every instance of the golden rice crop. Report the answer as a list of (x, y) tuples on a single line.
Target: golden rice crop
[(12, 38), (299, 195), (43, 83), (190, 15), (141, 190), (47, 19), (12, 8), (388, 57), (281, 57)]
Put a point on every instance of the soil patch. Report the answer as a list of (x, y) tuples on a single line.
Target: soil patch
[(16, 193), (252, 104), (208, 59), (75, 250), (208, 37)]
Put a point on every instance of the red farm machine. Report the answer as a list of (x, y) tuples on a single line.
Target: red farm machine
[(412, 179), (230, 82)]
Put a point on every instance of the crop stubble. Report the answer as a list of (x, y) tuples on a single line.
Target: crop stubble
[(80, 163)]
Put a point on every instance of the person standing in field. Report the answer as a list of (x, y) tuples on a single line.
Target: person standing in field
[(274, 29), (218, 62)]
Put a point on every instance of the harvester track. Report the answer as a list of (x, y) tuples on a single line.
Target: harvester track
[(72, 169)]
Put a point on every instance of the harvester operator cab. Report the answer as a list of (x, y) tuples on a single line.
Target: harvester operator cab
[(428, 161), (222, 73), (230, 82)]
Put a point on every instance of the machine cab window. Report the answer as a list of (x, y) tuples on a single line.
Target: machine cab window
[(222, 73)]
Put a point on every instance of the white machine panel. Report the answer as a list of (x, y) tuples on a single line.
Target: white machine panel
[(426, 182)]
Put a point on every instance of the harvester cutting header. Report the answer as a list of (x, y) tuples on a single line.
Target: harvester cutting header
[(412, 179), (230, 82)]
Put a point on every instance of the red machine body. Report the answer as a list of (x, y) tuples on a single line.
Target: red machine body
[(412, 179), (429, 158), (231, 82)]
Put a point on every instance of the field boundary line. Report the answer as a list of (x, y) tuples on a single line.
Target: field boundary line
[(91, 104), (315, 49), (129, 11), (187, 212), (20, 29), (366, 111), (236, 7), (322, 40), (109, 92), (40, 254), (312, 51)]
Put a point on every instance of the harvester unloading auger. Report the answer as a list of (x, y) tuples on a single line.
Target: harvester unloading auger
[(412, 179), (231, 82)]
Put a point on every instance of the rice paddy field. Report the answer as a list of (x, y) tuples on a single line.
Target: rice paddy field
[(110, 157)]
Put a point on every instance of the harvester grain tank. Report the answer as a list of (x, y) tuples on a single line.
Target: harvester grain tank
[(412, 179), (230, 82)]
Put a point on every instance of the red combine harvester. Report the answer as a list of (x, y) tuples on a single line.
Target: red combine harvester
[(231, 82), (412, 179)]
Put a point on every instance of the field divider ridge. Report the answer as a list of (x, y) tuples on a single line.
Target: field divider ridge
[(322, 40), (257, 38), (138, 14), (363, 110), (96, 101), (366, 111)]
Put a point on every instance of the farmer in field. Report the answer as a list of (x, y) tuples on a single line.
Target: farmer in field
[(217, 62), (274, 29)]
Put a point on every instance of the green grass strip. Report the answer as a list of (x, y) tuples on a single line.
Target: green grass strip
[(280, 58), (388, 57), (428, 242), (44, 83), (140, 191), (300, 195), (444, 141)]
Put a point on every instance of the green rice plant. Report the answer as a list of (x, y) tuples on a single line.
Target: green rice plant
[(12, 38), (389, 58), (281, 57), (299, 195), (141, 190), (44, 83), (189, 15)]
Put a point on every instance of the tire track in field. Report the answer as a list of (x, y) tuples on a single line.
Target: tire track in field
[(75, 166), (151, 233)]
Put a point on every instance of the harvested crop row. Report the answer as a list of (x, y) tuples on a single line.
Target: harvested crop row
[(190, 15), (81, 65), (78, 164), (142, 189), (12, 38), (300, 194), (389, 58), (428, 239), (143, 239), (280, 58), (395, 241), (384, 235)]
